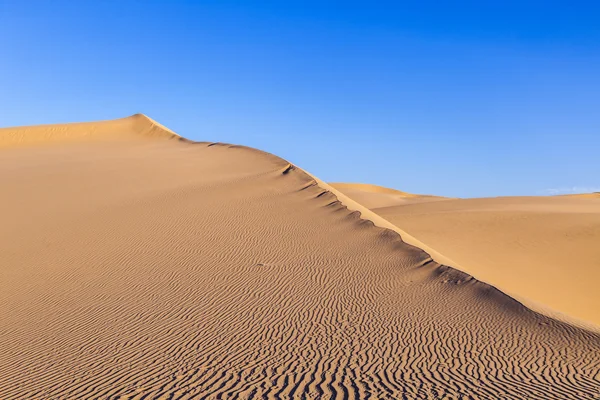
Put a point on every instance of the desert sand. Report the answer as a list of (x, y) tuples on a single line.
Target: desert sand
[(140, 265), (544, 251), (374, 196)]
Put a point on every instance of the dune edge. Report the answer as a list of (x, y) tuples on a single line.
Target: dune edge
[(145, 127), (133, 126), (444, 262)]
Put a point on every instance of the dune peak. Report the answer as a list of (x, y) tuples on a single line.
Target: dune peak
[(136, 126), (209, 270)]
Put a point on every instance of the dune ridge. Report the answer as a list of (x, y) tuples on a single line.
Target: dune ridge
[(539, 250), (133, 127), (175, 269)]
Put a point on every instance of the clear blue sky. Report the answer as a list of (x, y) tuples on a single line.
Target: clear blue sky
[(458, 98)]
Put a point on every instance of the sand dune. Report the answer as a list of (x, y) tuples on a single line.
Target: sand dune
[(544, 249), (165, 269), (136, 127), (373, 196), (594, 195)]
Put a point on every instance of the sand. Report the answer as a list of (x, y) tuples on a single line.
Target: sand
[(373, 196), (542, 250), (137, 265)]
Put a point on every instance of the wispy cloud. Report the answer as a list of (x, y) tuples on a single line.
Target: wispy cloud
[(571, 190)]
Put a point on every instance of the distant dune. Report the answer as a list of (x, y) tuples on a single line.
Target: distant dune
[(541, 249), (373, 196), (167, 269), (594, 195)]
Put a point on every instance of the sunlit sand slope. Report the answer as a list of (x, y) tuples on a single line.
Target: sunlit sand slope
[(136, 127), (373, 196), (594, 195), (546, 249), (139, 269)]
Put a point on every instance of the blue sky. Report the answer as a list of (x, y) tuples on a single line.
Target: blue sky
[(457, 98)]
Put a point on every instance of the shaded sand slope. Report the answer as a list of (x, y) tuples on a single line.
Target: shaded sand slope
[(545, 249), (172, 270), (373, 196)]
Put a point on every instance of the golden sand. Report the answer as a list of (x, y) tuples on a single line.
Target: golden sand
[(166, 269)]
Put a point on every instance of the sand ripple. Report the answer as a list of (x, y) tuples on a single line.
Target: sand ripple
[(171, 270)]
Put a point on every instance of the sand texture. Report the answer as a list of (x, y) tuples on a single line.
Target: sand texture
[(543, 249), (166, 269), (373, 196), (136, 127)]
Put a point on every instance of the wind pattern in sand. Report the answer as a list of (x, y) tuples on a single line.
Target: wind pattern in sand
[(150, 269)]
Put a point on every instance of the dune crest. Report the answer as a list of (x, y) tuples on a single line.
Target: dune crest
[(540, 250), (133, 127), (141, 269)]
